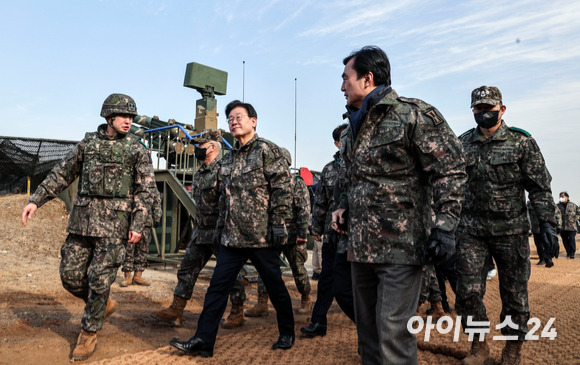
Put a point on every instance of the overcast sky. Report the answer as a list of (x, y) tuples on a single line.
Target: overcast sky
[(60, 59)]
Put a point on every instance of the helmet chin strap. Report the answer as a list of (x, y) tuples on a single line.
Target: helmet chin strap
[(113, 127)]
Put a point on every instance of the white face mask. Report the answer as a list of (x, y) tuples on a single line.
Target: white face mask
[(562, 199)]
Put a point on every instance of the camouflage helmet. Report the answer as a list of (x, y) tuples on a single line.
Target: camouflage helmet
[(287, 156), (118, 104)]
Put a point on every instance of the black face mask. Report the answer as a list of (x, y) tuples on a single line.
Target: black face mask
[(200, 153), (487, 119)]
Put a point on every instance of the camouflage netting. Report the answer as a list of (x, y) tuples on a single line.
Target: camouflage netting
[(21, 158)]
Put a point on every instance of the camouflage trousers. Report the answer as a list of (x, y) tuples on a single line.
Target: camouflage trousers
[(195, 258), (429, 285), (88, 268), (136, 253), (296, 255), (512, 257)]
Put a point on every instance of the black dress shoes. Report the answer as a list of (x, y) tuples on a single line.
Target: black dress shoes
[(284, 343), (314, 329), (195, 346)]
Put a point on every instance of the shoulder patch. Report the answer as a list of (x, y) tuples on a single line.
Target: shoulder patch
[(435, 116), (515, 129), (467, 132)]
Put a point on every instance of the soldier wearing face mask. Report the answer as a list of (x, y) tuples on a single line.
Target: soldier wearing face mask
[(570, 214), (502, 163)]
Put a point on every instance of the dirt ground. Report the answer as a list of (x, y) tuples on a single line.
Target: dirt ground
[(40, 321)]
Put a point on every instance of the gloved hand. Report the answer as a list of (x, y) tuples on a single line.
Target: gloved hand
[(440, 246), (558, 230), (276, 235), (549, 236)]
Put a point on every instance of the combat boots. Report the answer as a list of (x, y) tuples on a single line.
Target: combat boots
[(436, 310), (512, 353), (479, 354), (261, 308), (236, 317), (86, 344), (304, 304), (128, 279), (139, 280), (172, 315)]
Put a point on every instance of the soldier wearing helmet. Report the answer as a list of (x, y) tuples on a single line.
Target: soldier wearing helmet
[(115, 191)]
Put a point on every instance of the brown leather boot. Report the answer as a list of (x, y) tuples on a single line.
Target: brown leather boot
[(86, 344), (512, 353), (138, 279), (236, 317), (479, 354), (304, 304), (260, 309), (172, 315), (110, 307), (128, 279), (437, 310)]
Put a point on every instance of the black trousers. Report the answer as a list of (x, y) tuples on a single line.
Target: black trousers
[(335, 282), (228, 265), (569, 239)]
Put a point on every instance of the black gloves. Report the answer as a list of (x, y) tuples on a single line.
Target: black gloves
[(276, 235), (440, 246), (549, 236)]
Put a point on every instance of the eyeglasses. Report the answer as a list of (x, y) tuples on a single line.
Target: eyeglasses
[(238, 118)]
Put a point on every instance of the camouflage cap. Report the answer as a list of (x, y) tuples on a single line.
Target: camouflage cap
[(486, 95), (208, 135)]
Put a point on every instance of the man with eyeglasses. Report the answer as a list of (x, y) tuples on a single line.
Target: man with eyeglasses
[(254, 203), (502, 163)]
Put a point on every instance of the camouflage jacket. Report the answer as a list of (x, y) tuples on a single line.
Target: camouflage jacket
[(535, 223), (255, 193), (404, 148), (101, 216), (570, 214), (154, 204), (297, 220), (206, 194), (324, 202), (499, 169)]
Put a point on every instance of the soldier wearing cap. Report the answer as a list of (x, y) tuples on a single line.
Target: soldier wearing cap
[(502, 163), (110, 210), (206, 193), (254, 203)]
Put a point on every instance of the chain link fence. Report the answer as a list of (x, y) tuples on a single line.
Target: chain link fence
[(23, 158)]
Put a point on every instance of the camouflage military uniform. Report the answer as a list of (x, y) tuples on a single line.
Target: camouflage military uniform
[(115, 180), (494, 221), (297, 225), (570, 214), (403, 149), (205, 192), (255, 195)]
